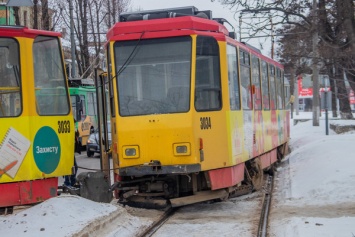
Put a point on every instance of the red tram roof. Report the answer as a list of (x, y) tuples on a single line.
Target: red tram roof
[(166, 24), (179, 26), (23, 31)]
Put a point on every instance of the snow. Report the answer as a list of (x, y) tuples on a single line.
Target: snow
[(313, 196), (315, 192)]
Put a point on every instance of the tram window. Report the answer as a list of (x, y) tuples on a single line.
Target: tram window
[(10, 93), (208, 82), (110, 82), (153, 75), (287, 96), (256, 82), (91, 103), (245, 80), (83, 106), (280, 93), (265, 85), (50, 82), (75, 107), (272, 87), (233, 79)]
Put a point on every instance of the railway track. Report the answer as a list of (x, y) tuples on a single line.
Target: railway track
[(158, 223), (262, 223), (264, 215)]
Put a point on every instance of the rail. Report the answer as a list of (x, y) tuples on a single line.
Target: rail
[(264, 216)]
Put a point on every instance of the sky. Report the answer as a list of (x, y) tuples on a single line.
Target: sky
[(313, 196), (218, 11)]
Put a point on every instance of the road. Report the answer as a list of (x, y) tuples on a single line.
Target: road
[(86, 164)]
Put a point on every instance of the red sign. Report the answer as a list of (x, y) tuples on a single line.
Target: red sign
[(304, 91), (351, 97)]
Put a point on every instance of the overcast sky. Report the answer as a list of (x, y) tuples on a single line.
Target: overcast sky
[(218, 11)]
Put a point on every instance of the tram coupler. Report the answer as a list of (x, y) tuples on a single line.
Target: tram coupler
[(95, 186)]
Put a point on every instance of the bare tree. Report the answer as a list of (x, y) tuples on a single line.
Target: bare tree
[(92, 19), (328, 22), (114, 8)]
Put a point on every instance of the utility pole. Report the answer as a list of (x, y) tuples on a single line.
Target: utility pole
[(71, 8), (316, 107)]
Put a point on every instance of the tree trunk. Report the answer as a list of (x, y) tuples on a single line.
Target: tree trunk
[(45, 15), (333, 91), (35, 14), (343, 95), (17, 17), (347, 13), (316, 107)]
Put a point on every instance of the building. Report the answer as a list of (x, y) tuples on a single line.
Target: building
[(305, 93)]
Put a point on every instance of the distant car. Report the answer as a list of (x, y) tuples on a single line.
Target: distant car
[(92, 145)]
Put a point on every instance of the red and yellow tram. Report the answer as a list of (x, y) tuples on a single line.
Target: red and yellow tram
[(37, 126), (193, 111)]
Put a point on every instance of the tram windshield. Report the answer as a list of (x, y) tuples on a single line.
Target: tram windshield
[(153, 75), (50, 85), (10, 96)]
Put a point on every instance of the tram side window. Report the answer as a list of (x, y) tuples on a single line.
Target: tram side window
[(10, 93), (83, 103), (92, 104), (280, 93), (110, 84), (256, 82), (75, 107), (265, 85), (272, 87), (208, 81), (233, 79), (287, 96), (50, 82), (244, 60)]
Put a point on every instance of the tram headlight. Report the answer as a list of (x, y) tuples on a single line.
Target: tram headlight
[(182, 149), (130, 152)]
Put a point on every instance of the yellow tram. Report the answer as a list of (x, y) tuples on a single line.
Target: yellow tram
[(37, 126), (194, 113)]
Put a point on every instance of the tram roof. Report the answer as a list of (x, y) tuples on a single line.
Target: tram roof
[(182, 18), (23, 31), (176, 22)]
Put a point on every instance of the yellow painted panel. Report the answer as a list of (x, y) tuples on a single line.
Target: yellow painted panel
[(49, 152)]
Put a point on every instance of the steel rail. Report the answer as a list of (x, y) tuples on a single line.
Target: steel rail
[(158, 223), (262, 228)]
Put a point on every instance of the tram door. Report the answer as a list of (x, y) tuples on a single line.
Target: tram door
[(102, 121)]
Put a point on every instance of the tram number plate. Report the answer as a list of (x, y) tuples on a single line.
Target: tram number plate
[(205, 123), (64, 126)]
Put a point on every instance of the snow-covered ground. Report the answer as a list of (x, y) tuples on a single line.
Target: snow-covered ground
[(315, 192), (314, 195)]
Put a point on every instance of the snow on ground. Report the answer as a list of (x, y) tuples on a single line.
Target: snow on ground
[(313, 196), (315, 192)]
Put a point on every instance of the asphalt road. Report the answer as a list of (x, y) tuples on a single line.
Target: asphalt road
[(86, 164)]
